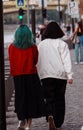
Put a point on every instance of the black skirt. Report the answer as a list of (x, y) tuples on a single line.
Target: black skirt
[(27, 96)]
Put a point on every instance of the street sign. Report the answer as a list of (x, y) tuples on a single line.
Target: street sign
[(20, 3), (40, 3)]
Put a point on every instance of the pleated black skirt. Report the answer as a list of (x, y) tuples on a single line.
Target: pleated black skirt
[(27, 96)]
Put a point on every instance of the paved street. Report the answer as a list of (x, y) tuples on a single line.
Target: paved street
[(74, 105), (74, 99)]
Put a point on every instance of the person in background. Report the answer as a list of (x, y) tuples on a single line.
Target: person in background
[(68, 29), (78, 37), (55, 71), (23, 57), (42, 28)]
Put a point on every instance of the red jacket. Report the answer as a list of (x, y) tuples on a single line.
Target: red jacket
[(22, 61)]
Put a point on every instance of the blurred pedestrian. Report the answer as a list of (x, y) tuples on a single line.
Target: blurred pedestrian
[(68, 29), (42, 28), (78, 40), (55, 70), (23, 56)]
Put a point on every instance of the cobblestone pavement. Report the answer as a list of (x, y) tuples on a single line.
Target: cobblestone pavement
[(74, 106)]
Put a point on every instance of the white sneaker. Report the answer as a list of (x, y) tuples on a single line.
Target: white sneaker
[(27, 128), (82, 128), (76, 63), (81, 63), (22, 124)]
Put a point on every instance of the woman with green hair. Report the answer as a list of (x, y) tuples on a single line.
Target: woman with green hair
[(23, 57)]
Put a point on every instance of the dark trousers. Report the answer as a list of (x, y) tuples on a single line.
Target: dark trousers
[(54, 94)]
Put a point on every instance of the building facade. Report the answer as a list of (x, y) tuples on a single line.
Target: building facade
[(81, 6), (10, 6)]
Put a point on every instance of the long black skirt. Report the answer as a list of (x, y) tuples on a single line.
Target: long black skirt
[(27, 96)]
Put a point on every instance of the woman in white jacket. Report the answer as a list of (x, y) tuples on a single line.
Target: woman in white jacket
[(55, 70)]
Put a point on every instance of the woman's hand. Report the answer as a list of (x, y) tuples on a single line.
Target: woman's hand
[(70, 81)]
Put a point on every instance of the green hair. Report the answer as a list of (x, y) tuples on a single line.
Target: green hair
[(23, 37)]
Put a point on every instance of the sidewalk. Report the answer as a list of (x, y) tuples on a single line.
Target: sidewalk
[(74, 105)]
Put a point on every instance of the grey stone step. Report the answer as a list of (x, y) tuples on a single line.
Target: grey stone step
[(12, 120), (10, 114), (13, 95), (11, 103), (11, 108), (12, 99), (12, 127)]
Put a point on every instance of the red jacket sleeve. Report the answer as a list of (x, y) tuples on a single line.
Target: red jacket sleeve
[(35, 54)]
